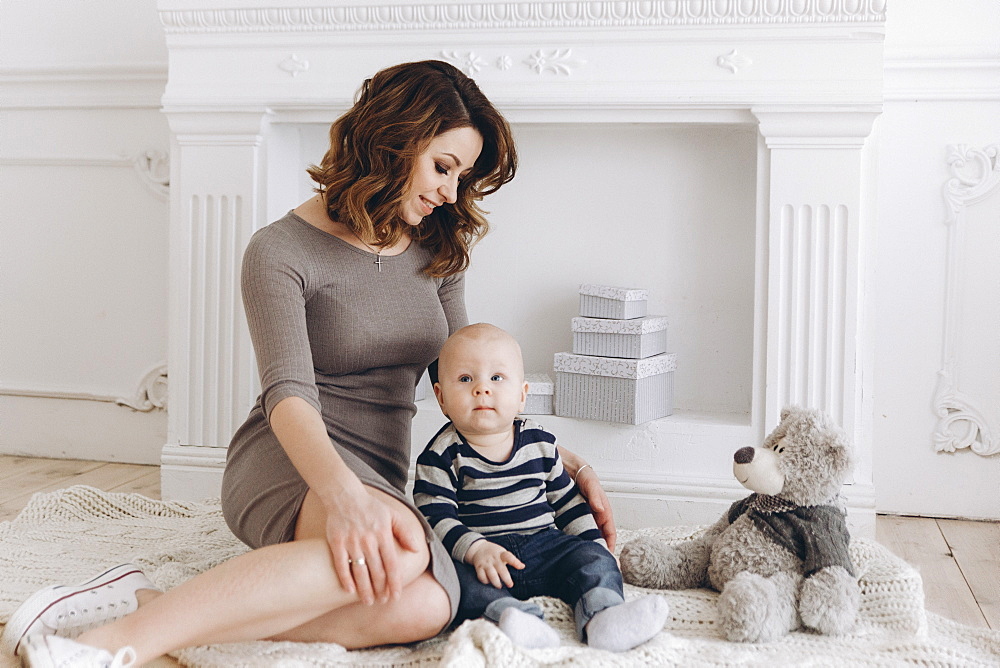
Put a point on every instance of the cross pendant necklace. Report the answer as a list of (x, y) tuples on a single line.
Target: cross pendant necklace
[(377, 251)]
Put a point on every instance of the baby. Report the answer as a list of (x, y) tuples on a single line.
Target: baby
[(494, 489)]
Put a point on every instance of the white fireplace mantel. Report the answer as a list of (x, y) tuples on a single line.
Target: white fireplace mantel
[(806, 73)]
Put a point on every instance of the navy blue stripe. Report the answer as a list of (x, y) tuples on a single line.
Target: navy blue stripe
[(439, 510), (429, 488), (452, 537), (571, 514), (532, 466), (479, 508), (507, 517), (537, 436)]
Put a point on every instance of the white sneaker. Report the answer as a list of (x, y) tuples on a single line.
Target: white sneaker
[(69, 611), (56, 652)]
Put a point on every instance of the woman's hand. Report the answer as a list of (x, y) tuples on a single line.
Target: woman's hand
[(362, 529), (362, 532), (590, 486), (491, 561)]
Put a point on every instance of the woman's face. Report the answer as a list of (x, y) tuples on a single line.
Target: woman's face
[(437, 171)]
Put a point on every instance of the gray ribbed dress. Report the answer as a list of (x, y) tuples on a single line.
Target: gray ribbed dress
[(329, 327)]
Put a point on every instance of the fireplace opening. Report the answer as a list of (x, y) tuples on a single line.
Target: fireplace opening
[(671, 208)]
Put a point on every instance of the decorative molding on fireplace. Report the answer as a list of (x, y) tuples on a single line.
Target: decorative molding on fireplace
[(962, 420), (539, 61), (525, 15)]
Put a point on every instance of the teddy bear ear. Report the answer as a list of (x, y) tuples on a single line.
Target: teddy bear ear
[(841, 453), (789, 410)]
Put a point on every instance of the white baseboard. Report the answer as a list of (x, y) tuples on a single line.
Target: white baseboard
[(191, 472), (73, 428)]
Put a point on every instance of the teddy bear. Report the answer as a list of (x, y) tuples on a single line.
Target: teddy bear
[(779, 557)]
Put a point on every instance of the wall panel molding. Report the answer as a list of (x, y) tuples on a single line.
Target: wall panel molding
[(150, 393), (949, 75), (964, 421), (137, 86), (152, 166)]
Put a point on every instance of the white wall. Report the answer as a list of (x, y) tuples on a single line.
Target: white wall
[(83, 245), (83, 230), (942, 87)]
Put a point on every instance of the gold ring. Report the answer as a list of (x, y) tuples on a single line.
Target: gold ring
[(360, 561)]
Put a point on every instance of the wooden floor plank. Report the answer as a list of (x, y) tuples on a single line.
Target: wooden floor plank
[(148, 484), (976, 547), (101, 476), (919, 541), (50, 472), (12, 467)]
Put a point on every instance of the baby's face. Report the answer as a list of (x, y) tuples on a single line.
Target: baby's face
[(481, 386)]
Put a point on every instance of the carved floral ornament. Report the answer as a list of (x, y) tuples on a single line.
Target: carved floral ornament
[(151, 393), (554, 61), (522, 15), (962, 422)]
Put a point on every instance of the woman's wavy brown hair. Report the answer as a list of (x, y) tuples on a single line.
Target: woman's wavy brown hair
[(374, 146)]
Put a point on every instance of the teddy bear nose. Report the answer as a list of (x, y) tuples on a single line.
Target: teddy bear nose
[(744, 455)]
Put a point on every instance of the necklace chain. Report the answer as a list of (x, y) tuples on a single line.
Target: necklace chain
[(377, 251)]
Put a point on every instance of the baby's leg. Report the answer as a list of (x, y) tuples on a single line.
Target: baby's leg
[(522, 622), (594, 589)]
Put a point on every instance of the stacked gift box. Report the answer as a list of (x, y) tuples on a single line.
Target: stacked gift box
[(619, 370)]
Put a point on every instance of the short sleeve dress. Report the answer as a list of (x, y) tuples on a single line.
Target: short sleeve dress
[(350, 337)]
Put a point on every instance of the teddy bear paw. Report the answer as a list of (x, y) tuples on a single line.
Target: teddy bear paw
[(641, 563), (829, 601), (753, 608)]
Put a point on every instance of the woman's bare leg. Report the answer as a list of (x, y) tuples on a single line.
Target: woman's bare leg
[(279, 589), (420, 613)]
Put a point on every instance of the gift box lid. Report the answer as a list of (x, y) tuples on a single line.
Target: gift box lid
[(616, 367), (646, 325), (539, 383), (610, 292)]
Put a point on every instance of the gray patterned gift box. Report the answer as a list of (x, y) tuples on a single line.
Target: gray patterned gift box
[(636, 338), (540, 392), (605, 301), (612, 389)]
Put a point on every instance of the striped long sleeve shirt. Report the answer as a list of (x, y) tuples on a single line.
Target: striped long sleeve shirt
[(467, 497)]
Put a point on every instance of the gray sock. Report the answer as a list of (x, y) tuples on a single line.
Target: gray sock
[(622, 627), (526, 630)]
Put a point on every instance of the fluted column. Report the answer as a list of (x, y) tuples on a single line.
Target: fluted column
[(820, 215), (217, 203)]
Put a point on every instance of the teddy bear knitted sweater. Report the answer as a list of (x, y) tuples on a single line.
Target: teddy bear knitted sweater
[(816, 534)]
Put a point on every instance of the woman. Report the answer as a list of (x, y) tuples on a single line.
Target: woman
[(348, 298)]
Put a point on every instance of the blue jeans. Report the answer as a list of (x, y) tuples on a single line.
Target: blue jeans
[(580, 572)]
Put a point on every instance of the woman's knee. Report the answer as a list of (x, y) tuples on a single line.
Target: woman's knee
[(423, 612)]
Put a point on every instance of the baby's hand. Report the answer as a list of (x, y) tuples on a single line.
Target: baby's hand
[(491, 561)]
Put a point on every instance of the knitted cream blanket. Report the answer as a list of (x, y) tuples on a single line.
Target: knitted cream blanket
[(69, 535)]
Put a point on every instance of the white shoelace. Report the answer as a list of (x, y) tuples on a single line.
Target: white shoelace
[(83, 619), (123, 658)]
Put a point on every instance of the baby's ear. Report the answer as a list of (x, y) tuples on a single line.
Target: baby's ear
[(524, 396), (437, 395)]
